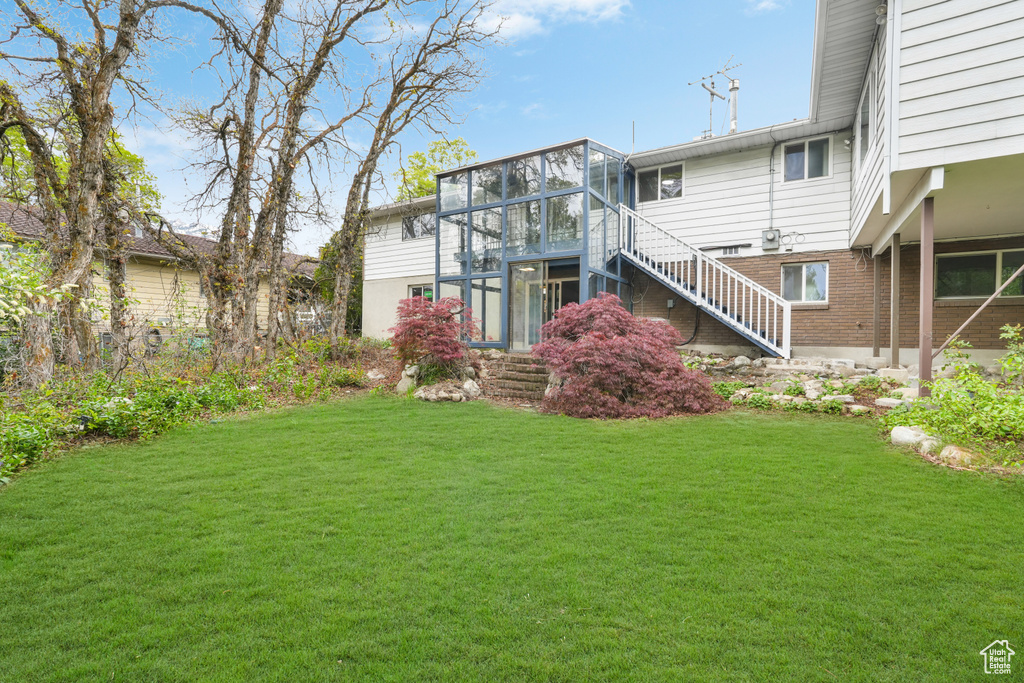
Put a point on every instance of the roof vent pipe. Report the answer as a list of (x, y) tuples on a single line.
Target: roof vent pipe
[(734, 90)]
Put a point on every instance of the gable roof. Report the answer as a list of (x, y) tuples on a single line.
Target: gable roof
[(25, 221)]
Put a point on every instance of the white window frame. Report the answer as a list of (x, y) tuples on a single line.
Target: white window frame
[(999, 273), (414, 216), (421, 287), (803, 282), (805, 143), (868, 91), (682, 178)]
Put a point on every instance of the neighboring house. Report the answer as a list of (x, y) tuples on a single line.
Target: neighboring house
[(167, 294), (782, 239)]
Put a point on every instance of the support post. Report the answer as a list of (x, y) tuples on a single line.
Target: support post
[(876, 326), (894, 290), (927, 291)]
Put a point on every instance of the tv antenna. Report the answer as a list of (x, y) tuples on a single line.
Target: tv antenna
[(708, 83)]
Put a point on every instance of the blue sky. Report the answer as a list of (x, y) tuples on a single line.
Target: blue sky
[(567, 69)]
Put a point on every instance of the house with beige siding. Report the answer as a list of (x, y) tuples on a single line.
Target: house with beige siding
[(876, 227), (166, 295)]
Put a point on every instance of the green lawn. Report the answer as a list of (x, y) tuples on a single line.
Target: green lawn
[(380, 539)]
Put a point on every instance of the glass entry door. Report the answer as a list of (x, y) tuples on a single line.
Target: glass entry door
[(527, 301), (539, 288)]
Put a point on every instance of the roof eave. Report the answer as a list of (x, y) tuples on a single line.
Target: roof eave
[(817, 56)]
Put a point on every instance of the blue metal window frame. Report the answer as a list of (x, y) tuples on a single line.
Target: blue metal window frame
[(583, 253)]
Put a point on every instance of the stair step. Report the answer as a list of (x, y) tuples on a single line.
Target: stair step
[(533, 377)]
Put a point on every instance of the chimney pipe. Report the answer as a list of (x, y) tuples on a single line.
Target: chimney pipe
[(734, 89)]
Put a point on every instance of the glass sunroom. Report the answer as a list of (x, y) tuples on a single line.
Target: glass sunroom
[(520, 237)]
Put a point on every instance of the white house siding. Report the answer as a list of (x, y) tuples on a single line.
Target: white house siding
[(867, 186), (388, 255), (390, 267), (725, 202), (961, 78)]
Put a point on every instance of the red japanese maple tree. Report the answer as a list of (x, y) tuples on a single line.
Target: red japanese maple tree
[(613, 365), (434, 333)]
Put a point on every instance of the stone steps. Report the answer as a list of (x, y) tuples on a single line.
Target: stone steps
[(516, 376)]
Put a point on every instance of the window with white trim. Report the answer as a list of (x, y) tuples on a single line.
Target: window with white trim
[(805, 282), (656, 184), (864, 126), (426, 291), (978, 274), (417, 226), (807, 159)]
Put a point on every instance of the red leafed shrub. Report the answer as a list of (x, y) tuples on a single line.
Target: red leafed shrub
[(432, 332), (613, 364)]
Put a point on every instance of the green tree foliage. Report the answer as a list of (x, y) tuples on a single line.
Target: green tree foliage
[(17, 183), (417, 179)]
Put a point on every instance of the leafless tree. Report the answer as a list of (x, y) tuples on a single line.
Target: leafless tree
[(60, 96), (425, 74)]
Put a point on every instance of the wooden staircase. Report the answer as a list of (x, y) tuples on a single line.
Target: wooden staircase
[(516, 376)]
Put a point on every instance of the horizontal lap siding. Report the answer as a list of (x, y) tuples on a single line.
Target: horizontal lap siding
[(726, 201), (961, 81), (388, 255), (867, 188), (163, 291)]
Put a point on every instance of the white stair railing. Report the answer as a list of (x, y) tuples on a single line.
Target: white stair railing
[(754, 311)]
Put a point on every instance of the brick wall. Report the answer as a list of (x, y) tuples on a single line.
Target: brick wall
[(846, 320)]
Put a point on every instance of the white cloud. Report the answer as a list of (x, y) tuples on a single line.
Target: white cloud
[(762, 6), (523, 18), (534, 110)]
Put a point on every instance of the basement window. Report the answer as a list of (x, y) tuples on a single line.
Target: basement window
[(805, 282), (977, 274), (805, 160), (426, 291), (661, 183)]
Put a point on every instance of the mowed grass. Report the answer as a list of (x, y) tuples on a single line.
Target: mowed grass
[(389, 540)]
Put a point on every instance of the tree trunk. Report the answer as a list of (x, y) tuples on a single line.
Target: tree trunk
[(37, 352), (277, 305), (339, 307)]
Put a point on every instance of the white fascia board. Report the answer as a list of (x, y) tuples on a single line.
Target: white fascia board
[(403, 208), (930, 183), (817, 55)]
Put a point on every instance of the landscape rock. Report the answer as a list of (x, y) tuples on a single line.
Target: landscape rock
[(954, 455), (900, 375), (778, 387), (855, 409), (929, 446), (741, 361), (909, 392), (842, 398), (471, 388), (907, 436), (469, 372), (844, 370), (877, 362), (404, 385), (888, 402), (373, 374), (412, 371)]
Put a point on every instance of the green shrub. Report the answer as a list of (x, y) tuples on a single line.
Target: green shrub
[(969, 411), (831, 407), (727, 389), (795, 389), (760, 401)]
